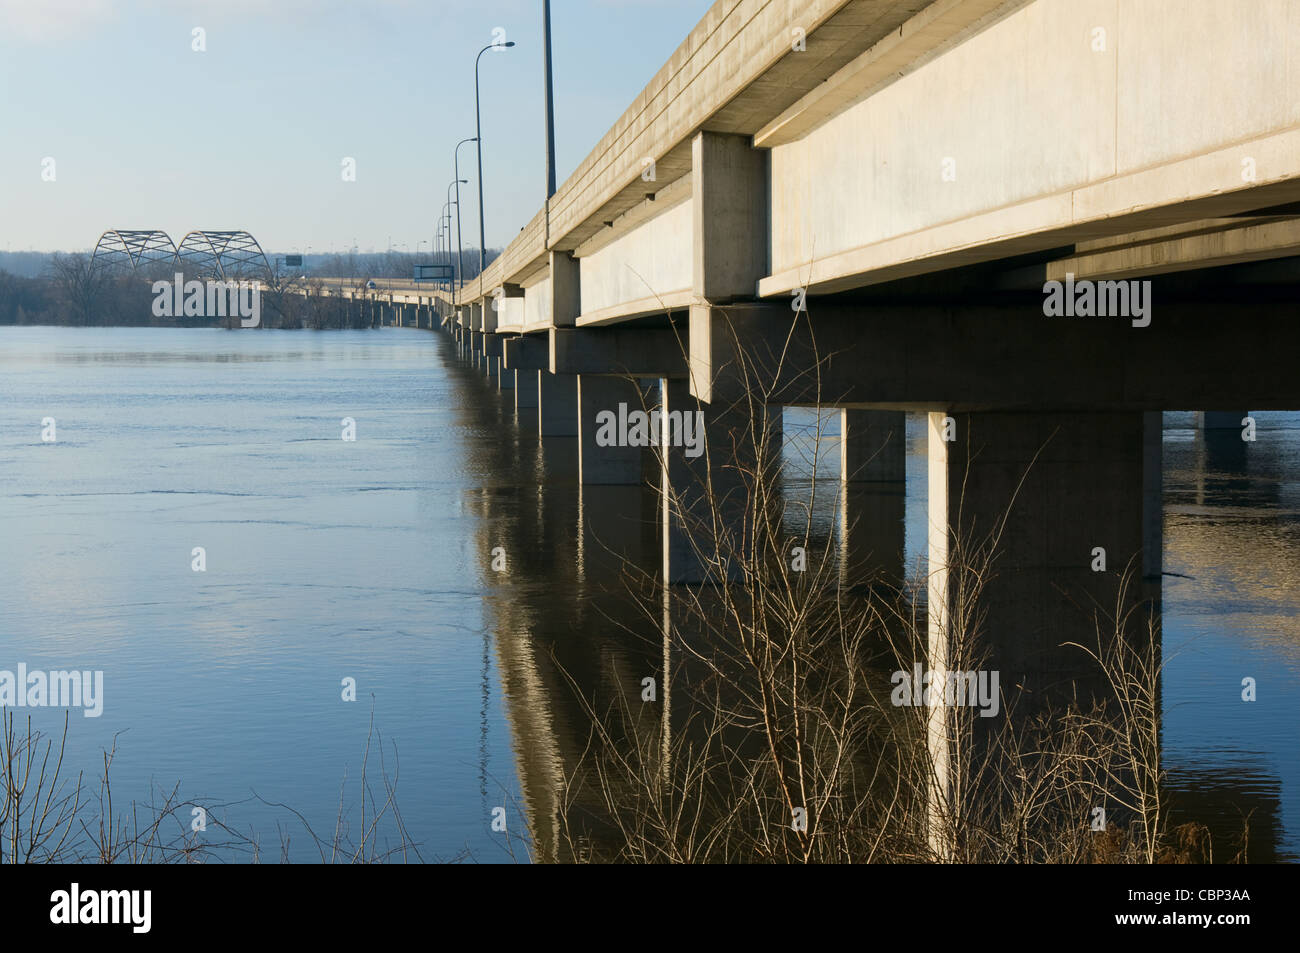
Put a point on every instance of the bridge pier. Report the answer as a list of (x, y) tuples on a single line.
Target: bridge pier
[(873, 445), (1220, 419), (1061, 502), (708, 454), (557, 399), (526, 395), (492, 358), (476, 357), (873, 448), (615, 530), (609, 464)]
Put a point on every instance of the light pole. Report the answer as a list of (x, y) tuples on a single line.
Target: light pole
[(445, 225), (478, 130), (550, 105), (460, 247), (454, 185)]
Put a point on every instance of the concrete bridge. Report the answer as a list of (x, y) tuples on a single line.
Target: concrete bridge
[(879, 192)]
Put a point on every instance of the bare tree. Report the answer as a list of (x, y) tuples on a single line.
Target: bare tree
[(81, 284)]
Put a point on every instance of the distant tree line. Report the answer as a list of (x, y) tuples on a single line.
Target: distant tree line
[(71, 289)]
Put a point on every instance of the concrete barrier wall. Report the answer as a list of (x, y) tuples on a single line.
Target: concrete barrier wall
[(1029, 108), (537, 304), (510, 312), (652, 259)]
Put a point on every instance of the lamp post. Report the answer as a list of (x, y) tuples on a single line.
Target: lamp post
[(456, 184), (460, 247), (478, 129), (444, 226), (550, 104)]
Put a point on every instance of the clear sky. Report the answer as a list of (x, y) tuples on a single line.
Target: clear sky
[(145, 132)]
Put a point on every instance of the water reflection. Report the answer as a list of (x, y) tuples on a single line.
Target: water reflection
[(574, 631)]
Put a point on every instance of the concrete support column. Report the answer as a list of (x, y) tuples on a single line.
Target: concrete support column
[(873, 500), (609, 398), (616, 528), (708, 451), (873, 445), (1220, 419), (492, 358), (557, 400), (566, 290), (1052, 495), (730, 192), (1220, 433), (526, 395), (505, 377), (872, 537)]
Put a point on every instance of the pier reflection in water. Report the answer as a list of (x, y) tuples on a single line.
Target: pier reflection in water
[(574, 635)]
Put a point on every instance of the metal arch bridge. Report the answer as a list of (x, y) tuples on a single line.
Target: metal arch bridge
[(209, 253), (134, 247)]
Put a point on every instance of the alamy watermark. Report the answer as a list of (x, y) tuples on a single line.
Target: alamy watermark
[(208, 299), (77, 906), (640, 428), (949, 689), (1101, 299), (54, 689)]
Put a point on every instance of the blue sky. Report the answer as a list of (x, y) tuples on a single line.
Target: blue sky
[(145, 132)]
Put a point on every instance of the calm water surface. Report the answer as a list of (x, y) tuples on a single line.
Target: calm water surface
[(370, 560)]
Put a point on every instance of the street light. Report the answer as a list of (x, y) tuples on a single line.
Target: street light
[(550, 111), (444, 223), (454, 185), (478, 128), (460, 247)]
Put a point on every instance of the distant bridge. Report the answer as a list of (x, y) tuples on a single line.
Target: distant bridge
[(211, 254)]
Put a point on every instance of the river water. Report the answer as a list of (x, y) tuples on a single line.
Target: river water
[(372, 560)]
